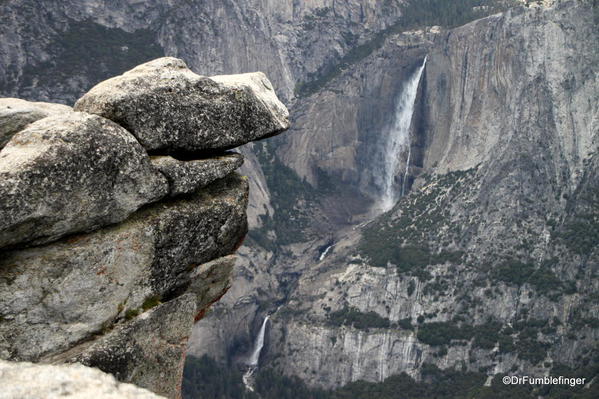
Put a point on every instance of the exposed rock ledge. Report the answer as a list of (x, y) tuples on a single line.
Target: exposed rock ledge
[(108, 255), (65, 382)]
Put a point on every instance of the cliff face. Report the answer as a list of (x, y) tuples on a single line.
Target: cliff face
[(526, 71), (488, 264), (285, 39), (110, 255)]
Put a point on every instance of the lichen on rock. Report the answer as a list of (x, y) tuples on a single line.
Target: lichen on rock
[(71, 173), (171, 109)]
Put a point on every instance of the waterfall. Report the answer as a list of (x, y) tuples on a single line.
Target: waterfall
[(324, 253), (252, 364), (398, 141), (258, 344)]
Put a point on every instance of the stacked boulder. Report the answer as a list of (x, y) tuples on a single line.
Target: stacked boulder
[(118, 217)]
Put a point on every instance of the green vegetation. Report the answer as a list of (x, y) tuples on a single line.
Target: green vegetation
[(88, 49), (272, 385), (577, 322), (350, 316), (405, 324), (581, 233), (415, 14), (151, 302), (488, 335), (132, 313), (517, 273), (205, 379), (528, 346), (404, 242), (287, 189), (439, 384), (442, 333)]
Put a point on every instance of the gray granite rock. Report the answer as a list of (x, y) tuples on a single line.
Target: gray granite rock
[(186, 177), (15, 114), (210, 281), (55, 296), (149, 350), (71, 173), (169, 108), (44, 381)]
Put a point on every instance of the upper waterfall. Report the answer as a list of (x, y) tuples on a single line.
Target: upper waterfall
[(398, 142)]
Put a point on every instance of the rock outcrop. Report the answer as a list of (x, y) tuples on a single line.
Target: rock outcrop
[(171, 109), (185, 177), (72, 173), (15, 114), (111, 255), (36, 381)]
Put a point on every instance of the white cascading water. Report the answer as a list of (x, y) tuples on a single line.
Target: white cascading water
[(324, 253), (255, 357), (258, 344), (398, 141)]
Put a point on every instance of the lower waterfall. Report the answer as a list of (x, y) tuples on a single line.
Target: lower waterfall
[(398, 142), (254, 359)]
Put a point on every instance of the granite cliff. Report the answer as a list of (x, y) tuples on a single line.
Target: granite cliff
[(109, 254), (489, 265)]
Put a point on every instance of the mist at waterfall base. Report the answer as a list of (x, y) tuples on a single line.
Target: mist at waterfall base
[(254, 358), (397, 142)]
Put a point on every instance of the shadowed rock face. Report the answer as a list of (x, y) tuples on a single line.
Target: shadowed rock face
[(55, 296), (185, 177), (153, 342), (150, 239), (151, 345), (171, 109)]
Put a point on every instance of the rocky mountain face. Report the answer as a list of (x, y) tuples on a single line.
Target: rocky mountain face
[(108, 254), (285, 39), (487, 265)]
